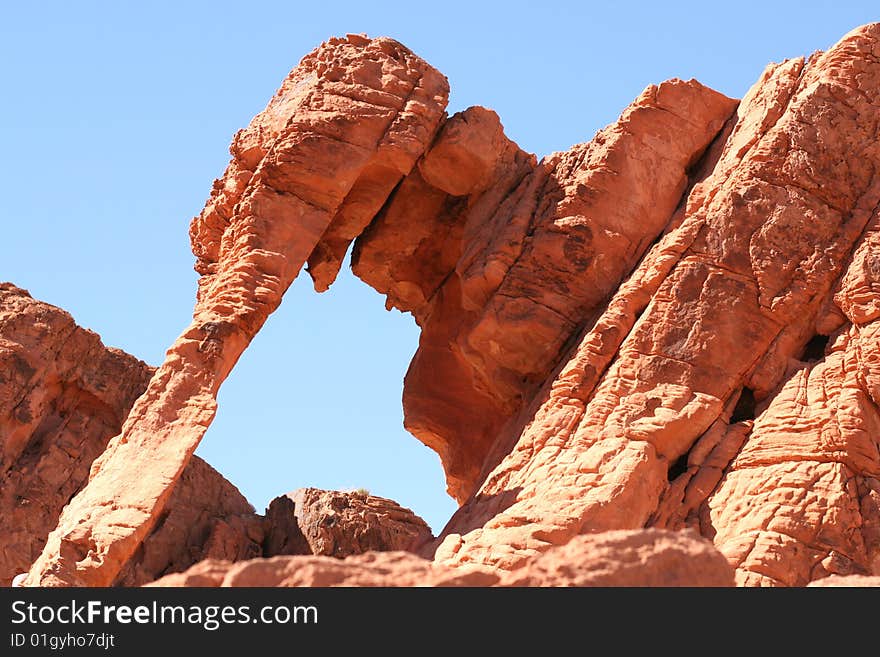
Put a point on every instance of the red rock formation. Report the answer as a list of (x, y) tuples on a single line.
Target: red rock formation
[(339, 524), (627, 558), (345, 126), (847, 580), (281, 530), (533, 257), (206, 517), (623, 558), (63, 395), (370, 569), (628, 334), (411, 252), (716, 313)]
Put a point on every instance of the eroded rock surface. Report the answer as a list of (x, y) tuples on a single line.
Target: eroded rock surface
[(339, 524), (621, 558), (670, 326), (709, 325), (645, 557), (371, 569), (535, 250), (63, 396), (346, 125), (860, 581)]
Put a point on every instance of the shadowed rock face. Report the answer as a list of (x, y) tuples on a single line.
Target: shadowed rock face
[(669, 326), (537, 250), (63, 396), (340, 524)]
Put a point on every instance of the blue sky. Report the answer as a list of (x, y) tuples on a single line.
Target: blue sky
[(117, 117)]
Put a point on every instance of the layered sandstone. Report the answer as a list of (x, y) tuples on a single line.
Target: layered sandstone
[(670, 326)]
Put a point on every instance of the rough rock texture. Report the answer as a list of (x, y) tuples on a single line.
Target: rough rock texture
[(622, 558), (411, 252), (674, 325), (713, 321), (282, 533), (370, 569), (318, 162), (846, 580), (339, 524), (206, 517), (649, 557), (63, 396), (534, 256)]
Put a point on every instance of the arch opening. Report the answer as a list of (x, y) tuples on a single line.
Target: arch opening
[(315, 401)]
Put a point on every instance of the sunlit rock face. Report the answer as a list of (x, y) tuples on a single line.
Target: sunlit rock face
[(669, 327)]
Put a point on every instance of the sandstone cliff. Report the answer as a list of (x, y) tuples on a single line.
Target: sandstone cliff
[(669, 326)]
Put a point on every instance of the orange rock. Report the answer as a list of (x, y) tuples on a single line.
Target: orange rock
[(622, 558), (206, 517), (714, 313), (631, 333), (63, 396), (534, 251), (649, 557), (346, 124), (410, 253), (339, 524), (848, 580), (370, 569)]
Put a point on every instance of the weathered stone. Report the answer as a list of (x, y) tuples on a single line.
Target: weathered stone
[(339, 524), (715, 312), (846, 580), (63, 396), (674, 325), (534, 251), (282, 531), (354, 112), (206, 517), (647, 557), (370, 569), (622, 558)]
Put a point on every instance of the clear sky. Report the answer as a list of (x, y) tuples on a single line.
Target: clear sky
[(117, 117)]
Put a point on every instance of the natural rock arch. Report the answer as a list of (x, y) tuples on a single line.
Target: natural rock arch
[(572, 347)]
